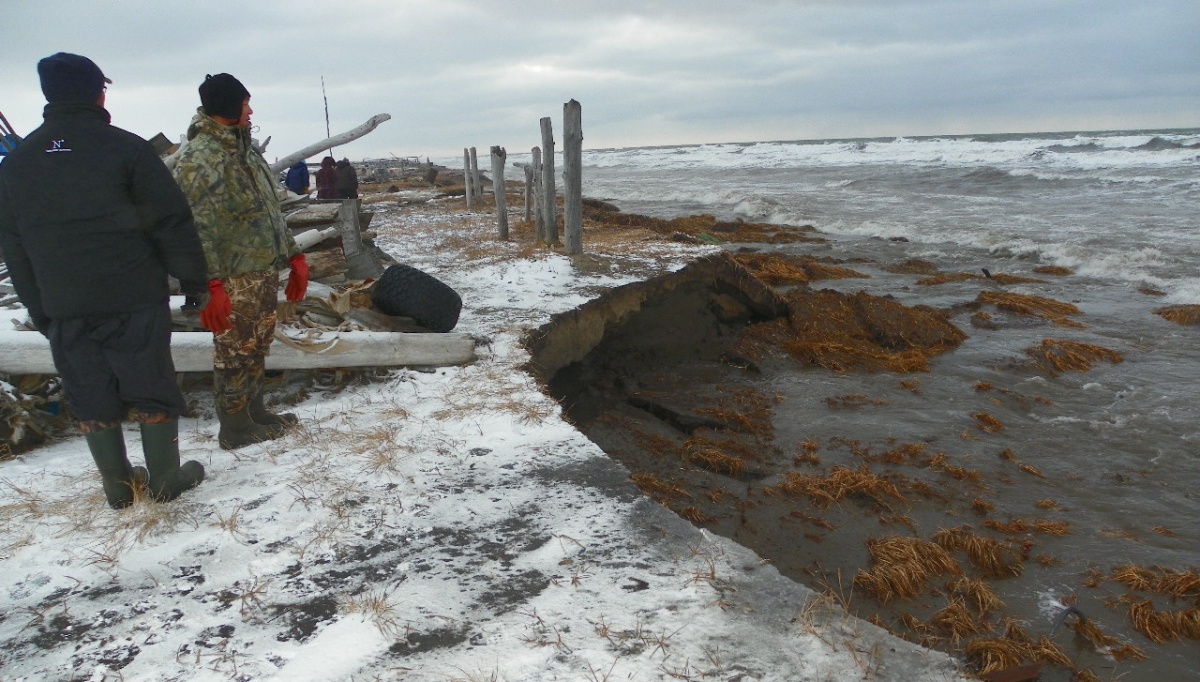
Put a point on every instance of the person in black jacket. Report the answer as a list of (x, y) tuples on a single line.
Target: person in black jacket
[(91, 224)]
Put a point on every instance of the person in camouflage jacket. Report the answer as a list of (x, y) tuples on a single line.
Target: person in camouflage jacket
[(247, 243)]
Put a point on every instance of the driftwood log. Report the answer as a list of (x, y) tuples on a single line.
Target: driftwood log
[(23, 352), (287, 161), (335, 141)]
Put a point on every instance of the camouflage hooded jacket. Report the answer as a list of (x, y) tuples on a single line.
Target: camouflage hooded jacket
[(234, 200)]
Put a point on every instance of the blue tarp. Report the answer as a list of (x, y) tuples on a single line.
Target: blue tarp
[(8, 142)]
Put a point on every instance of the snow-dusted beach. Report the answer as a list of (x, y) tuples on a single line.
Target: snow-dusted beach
[(442, 525)]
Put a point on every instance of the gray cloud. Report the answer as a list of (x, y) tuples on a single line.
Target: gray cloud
[(454, 73)]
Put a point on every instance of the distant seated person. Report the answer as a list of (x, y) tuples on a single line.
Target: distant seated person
[(346, 181), (326, 180), (297, 178)]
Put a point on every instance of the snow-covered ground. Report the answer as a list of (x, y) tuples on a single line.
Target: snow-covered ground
[(426, 525)]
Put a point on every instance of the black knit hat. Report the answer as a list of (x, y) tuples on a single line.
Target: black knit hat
[(70, 78), (222, 95)]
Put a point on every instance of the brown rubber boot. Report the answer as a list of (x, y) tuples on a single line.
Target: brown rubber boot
[(258, 410), (168, 478), (117, 476), (238, 429)]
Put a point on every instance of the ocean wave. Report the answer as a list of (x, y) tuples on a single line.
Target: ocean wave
[(1114, 150)]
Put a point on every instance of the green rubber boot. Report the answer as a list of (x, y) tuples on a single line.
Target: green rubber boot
[(238, 429), (168, 478), (117, 476)]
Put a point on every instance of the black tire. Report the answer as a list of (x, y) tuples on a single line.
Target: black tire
[(405, 291)]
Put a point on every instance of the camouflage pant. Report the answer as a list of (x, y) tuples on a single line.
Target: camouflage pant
[(253, 298), (239, 354)]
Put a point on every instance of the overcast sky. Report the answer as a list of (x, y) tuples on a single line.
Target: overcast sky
[(455, 74)]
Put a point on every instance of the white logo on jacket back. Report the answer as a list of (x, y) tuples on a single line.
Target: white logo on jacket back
[(58, 146)]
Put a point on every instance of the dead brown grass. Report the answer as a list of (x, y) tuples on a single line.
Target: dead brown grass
[(658, 489), (976, 593), (774, 269), (853, 400), (947, 278), (854, 332), (992, 557), (900, 567), (841, 483), (1056, 356), (1003, 278), (1165, 581), (1032, 306), (1161, 627), (913, 266), (1180, 314), (1056, 270), (995, 654), (987, 423), (1024, 527), (956, 621), (745, 410), (715, 460), (818, 271), (702, 226)]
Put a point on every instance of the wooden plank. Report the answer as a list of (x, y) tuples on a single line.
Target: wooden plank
[(29, 353)]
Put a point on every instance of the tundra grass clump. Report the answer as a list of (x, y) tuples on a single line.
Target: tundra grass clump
[(844, 332), (1187, 315), (1048, 309), (901, 566), (1056, 356)]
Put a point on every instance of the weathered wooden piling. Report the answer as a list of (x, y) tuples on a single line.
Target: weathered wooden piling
[(468, 191), (529, 191), (539, 233), (498, 159), (573, 176), (549, 209), (475, 177)]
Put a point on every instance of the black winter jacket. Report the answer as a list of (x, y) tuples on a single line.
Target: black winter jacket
[(91, 221)]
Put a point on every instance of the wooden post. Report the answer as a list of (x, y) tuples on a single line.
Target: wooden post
[(573, 176), (529, 191), (498, 158), (470, 193), (539, 232), (360, 262), (549, 196), (475, 178)]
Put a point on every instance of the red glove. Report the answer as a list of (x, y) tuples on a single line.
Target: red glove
[(297, 283), (215, 315)]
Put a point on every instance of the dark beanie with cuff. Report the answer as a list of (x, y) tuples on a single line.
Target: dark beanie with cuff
[(222, 95), (70, 77)]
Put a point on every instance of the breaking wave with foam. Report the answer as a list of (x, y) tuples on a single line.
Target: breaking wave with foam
[(1118, 205)]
